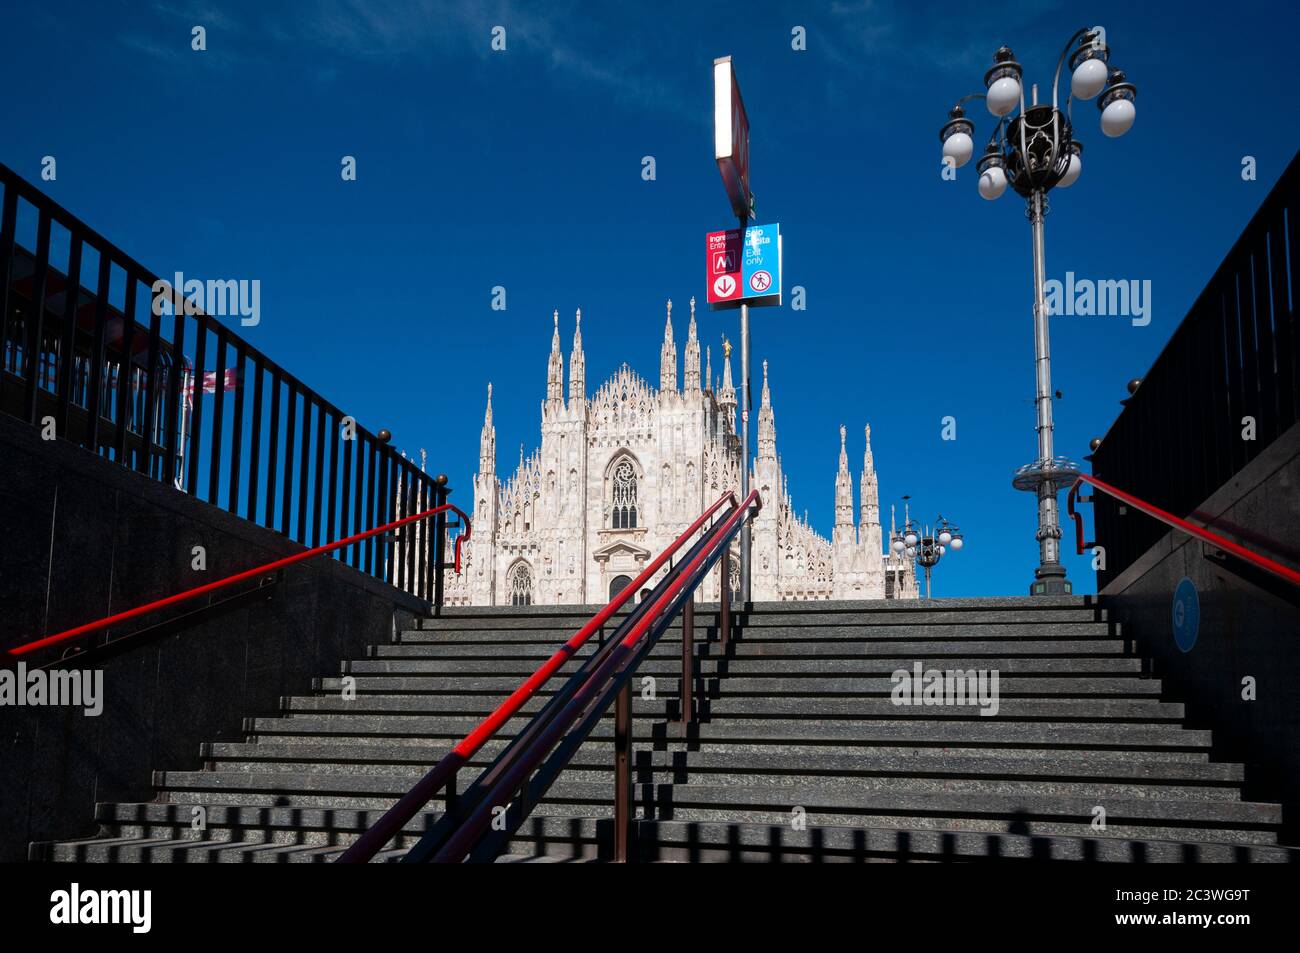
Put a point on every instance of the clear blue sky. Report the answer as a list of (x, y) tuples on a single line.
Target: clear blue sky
[(523, 169)]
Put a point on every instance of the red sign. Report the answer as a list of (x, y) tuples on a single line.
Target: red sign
[(724, 267), (731, 137)]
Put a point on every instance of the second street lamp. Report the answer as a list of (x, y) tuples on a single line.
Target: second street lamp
[(927, 545), (1035, 151)]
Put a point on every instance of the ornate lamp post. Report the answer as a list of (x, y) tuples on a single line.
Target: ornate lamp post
[(926, 545), (1035, 151)]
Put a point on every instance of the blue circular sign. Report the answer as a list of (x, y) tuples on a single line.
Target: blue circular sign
[(1187, 614)]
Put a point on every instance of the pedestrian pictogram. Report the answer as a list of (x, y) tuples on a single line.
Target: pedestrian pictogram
[(760, 281)]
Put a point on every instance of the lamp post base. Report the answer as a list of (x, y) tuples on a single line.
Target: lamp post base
[(1050, 582)]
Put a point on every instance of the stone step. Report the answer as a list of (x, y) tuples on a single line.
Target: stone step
[(730, 706), (708, 629), (838, 648), (563, 838), (339, 825), (823, 615), (986, 731), (394, 784), (745, 665), (776, 801), (499, 687), (1042, 763)]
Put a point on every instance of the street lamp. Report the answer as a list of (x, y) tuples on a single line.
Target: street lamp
[(1035, 151), (926, 545)]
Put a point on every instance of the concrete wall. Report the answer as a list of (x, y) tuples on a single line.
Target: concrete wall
[(81, 538), (1245, 629)]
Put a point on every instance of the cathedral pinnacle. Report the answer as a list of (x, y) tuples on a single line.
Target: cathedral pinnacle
[(668, 355), (555, 367), (766, 423), (691, 366), (577, 364), (843, 533), (727, 392), (487, 444)]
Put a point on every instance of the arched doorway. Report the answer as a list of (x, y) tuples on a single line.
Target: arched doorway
[(618, 584)]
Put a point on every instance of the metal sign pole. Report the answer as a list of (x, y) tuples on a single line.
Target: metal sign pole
[(744, 450)]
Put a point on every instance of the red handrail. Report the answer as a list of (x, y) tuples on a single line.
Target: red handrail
[(1200, 532), (396, 817), (84, 630), (459, 842)]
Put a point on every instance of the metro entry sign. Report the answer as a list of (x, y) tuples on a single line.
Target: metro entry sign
[(744, 267)]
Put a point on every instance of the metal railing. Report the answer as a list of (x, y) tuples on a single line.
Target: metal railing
[(1236, 354), (257, 572), (1271, 566), (601, 680), (152, 382)]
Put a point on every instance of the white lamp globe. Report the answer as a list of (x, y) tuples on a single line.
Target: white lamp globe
[(957, 543), (1071, 172), (899, 545), (945, 538), (1003, 95), (911, 552), (910, 538), (942, 550), (1117, 118), (993, 182), (1088, 79), (958, 147)]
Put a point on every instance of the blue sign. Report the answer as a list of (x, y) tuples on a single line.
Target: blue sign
[(761, 264), (1187, 614)]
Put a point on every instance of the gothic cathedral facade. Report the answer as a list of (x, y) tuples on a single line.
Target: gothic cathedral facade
[(621, 474)]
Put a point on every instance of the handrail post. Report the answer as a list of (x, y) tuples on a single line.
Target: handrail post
[(622, 772), (724, 616), (439, 543), (686, 688)]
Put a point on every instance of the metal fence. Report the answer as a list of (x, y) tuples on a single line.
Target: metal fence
[(1235, 355), (157, 385)]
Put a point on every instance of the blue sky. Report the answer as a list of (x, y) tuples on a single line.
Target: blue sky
[(523, 169)]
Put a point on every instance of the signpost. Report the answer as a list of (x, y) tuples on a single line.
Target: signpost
[(744, 264)]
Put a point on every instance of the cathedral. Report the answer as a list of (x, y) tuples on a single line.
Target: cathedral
[(620, 474)]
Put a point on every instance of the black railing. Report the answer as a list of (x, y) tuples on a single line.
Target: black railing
[(523, 773), (95, 345), (1235, 355)]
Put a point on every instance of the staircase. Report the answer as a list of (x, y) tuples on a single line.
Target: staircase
[(797, 725)]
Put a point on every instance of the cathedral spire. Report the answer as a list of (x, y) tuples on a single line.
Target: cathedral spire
[(691, 368), (668, 355), (869, 503), (727, 392), (708, 368), (843, 494), (766, 423), (555, 369), (577, 365), (487, 443)]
